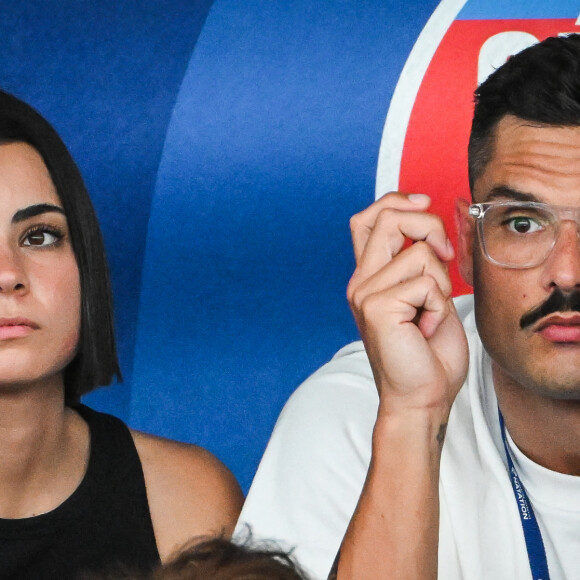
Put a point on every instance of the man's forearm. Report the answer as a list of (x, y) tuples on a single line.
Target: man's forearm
[(394, 531)]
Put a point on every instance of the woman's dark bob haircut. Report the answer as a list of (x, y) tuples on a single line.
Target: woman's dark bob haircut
[(95, 362)]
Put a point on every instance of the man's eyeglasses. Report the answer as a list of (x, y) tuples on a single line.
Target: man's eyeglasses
[(519, 234)]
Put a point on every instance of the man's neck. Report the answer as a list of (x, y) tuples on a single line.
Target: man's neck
[(547, 430)]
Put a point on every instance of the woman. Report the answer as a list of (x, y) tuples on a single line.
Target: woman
[(78, 490)]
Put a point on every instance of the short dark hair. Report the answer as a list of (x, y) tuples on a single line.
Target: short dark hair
[(540, 84), (220, 559), (95, 362), (216, 558)]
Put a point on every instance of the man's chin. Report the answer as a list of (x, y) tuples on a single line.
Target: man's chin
[(554, 385), (554, 375)]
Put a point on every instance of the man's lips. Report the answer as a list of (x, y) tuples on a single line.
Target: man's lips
[(563, 327), (16, 327)]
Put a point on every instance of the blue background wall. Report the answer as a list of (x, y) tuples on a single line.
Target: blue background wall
[(226, 145)]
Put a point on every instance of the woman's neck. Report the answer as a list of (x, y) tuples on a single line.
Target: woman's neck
[(43, 449)]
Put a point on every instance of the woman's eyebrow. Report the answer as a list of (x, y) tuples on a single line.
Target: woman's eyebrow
[(34, 210)]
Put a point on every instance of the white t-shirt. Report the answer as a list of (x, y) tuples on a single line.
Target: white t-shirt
[(312, 473)]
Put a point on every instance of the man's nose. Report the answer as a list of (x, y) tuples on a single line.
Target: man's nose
[(562, 267)]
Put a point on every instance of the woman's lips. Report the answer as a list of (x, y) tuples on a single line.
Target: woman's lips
[(562, 328), (16, 328)]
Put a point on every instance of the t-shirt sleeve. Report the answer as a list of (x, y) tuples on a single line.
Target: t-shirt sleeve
[(310, 478)]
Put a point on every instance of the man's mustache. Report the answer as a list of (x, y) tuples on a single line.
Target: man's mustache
[(558, 301)]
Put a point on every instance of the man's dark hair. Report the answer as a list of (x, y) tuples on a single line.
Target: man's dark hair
[(96, 360), (540, 84)]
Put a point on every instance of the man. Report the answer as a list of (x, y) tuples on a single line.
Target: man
[(467, 464)]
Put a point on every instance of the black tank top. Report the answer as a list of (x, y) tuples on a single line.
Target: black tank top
[(104, 526)]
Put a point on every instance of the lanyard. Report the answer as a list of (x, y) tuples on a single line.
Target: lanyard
[(532, 534)]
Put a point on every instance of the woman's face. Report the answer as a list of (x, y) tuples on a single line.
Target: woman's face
[(39, 277)]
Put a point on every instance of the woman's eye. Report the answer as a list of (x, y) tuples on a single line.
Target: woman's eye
[(41, 238), (523, 225)]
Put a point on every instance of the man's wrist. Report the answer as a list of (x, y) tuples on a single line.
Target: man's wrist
[(416, 429)]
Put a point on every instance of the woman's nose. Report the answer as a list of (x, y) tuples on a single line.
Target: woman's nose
[(12, 273)]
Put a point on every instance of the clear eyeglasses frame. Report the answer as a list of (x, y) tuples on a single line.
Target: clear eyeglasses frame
[(520, 234)]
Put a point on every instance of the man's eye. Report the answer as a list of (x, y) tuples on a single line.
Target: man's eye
[(523, 225), (41, 238)]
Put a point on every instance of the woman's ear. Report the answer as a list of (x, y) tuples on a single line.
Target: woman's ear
[(465, 239)]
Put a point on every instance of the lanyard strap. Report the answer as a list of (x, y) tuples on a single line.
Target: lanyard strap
[(532, 534)]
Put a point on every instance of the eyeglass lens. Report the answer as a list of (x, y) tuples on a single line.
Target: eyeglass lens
[(519, 237)]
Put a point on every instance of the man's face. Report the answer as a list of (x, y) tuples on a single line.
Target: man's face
[(534, 163)]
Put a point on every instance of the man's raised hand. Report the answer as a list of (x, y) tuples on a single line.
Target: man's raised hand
[(400, 295)]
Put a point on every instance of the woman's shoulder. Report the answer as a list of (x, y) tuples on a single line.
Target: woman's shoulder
[(190, 492)]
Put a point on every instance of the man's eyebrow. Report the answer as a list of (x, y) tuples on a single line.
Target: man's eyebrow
[(502, 191), (34, 210)]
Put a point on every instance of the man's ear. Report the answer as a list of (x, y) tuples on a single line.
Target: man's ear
[(465, 239)]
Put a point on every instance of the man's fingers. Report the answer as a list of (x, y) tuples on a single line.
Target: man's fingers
[(416, 303), (392, 228), (418, 260), (362, 224)]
